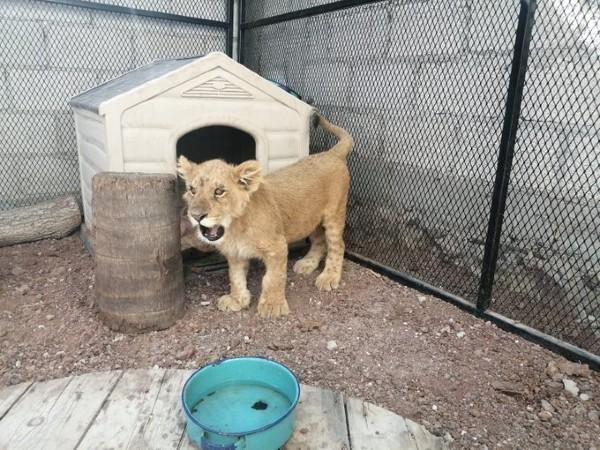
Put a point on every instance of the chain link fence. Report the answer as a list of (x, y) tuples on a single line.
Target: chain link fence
[(429, 90), (52, 50)]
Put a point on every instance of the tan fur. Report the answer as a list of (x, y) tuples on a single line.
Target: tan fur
[(261, 215)]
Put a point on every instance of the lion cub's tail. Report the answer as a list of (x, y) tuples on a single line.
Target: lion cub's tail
[(345, 143)]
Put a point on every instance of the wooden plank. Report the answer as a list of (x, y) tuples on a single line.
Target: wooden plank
[(19, 427), (10, 395), (125, 412), (373, 427), (424, 439), (166, 423), (320, 421)]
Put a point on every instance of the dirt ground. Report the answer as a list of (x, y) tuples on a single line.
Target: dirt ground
[(415, 355)]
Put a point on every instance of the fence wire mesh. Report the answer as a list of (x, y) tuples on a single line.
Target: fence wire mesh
[(50, 52), (422, 86)]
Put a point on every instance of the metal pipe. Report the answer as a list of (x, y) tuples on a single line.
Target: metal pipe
[(139, 12), (308, 12), (565, 349), (229, 36), (505, 155)]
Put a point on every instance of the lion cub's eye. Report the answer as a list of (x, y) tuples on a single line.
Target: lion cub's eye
[(192, 190), (219, 192)]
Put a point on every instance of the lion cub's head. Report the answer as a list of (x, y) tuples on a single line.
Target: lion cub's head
[(217, 192)]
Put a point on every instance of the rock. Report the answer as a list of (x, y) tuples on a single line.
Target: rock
[(445, 330), (186, 353), (448, 437), (508, 388), (421, 299), (24, 289), (203, 296), (546, 406), (286, 346), (17, 271), (332, 345), (557, 376), (584, 397), (571, 368), (594, 416), (545, 415), (571, 387), (434, 407), (50, 317), (551, 369), (460, 334), (3, 333), (204, 303)]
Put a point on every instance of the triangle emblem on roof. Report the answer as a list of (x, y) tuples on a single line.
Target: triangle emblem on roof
[(217, 87)]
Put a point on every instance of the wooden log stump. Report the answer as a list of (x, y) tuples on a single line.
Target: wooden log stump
[(139, 273), (53, 219)]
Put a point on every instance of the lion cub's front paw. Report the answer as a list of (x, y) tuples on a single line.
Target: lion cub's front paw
[(231, 303), (328, 281), (273, 309), (306, 266)]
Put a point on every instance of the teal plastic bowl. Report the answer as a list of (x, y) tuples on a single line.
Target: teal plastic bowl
[(244, 403)]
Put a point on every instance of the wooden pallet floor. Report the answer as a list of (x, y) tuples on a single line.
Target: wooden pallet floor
[(140, 409)]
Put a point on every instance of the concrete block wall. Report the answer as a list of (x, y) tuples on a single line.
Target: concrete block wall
[(422, 85), (51, 52)]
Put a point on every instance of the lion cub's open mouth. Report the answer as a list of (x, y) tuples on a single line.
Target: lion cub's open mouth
[(213, 233)]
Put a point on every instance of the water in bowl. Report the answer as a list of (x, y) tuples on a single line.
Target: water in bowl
[(240, 407)]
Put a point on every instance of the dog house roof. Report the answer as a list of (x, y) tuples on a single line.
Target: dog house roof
[(99, 98)]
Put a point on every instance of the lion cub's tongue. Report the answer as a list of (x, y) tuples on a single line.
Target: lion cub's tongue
[(213, 232)]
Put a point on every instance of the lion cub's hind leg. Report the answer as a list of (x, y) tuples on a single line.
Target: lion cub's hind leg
[(334, 230), (309, 263)]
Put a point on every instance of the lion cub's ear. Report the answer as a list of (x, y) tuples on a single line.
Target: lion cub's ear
[(249, 175), (184, 167)]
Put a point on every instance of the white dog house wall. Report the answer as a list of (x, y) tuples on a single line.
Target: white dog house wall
[(204, 108)]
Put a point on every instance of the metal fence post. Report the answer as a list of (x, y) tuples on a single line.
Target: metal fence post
[(240, 19), (505, 155), (229, 38)]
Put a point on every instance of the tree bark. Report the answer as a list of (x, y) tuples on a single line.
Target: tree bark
[(139, 271), (53, 219)]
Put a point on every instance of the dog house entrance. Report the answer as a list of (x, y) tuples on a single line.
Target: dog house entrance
[(214, 142), (217, 142)]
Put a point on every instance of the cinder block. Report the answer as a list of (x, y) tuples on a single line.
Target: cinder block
[(428, 28), (358, 33), (23, 43), (47, 89), (562, 90), (49, 174), (475, 155), (4, 102), (88, 47), (40, 11), (469, 85), (493, 25), (366, 127), (579, 166), (564, 24), (382, 85), (420, 140), (10, 186), (64, 130), (28, 133), (175, 42), (327, 83), (283, 46), (540, 149)]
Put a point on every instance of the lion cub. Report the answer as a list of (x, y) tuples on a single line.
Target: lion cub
[(246, 214)]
